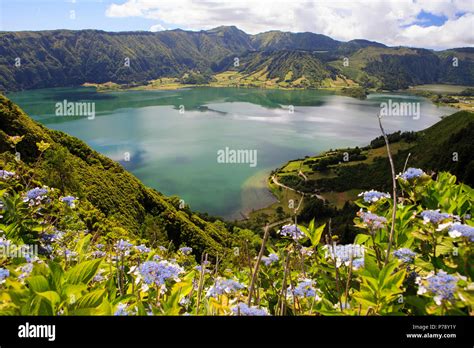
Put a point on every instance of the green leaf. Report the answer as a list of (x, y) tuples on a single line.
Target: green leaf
[(91, 300), (38, 283), (370, 264), (386, 273), (51, 296), (83, 272)]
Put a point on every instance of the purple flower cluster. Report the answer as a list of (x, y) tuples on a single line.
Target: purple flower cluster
[(460, 230), (4, 273), (245, 310), (5, 174), (158, 272), (122, 310), (36, 194), (373, 196), (123, 247), (69, 200), (305, 288), (271, 258), (185, 250), (142, 248), (224, 286), (434, 216), (411, 173), (405, 255), (372, 221), (292, 231), (442, 286)]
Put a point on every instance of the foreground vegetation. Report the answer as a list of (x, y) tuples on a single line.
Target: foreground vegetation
[(423, 267)]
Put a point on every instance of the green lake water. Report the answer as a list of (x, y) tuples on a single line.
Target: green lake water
[(176, 153)]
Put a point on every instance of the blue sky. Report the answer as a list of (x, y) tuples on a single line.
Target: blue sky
[(56, 14), (434, 24)]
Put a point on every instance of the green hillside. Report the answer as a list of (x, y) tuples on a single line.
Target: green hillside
[(445, 146)]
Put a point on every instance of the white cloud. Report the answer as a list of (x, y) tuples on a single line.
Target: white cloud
[(390, 22), (157, 27)]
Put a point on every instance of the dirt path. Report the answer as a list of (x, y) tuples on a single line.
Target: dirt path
[(276, 182)]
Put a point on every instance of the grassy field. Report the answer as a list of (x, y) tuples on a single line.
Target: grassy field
[(443, 89)]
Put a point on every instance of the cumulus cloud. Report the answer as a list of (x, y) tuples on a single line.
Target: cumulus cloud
[(393, 22), (157, 27)]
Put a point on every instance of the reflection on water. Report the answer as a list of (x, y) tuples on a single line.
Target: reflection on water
[(176, 152)]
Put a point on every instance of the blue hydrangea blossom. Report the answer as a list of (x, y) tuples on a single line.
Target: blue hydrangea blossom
[(4, 274), (411, 173), (405, 255), (373, 196), (442, 285), (292, 231), (373, 221), (460, 230), (224, 286), (271, 258), (244, 310)]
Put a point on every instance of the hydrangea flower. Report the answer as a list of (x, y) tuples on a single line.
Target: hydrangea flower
[(98, 277), (69, 200), (244, 309), (373, 196), (158, 272), (142, 248), (224, 286), (305, 288), (199, 267), (35, 194), (358, 263), (371, 220), (4, 274), (292, 231), (185, 250), (69, 254), (5, 174), (405, 255), (25, 271), (457, 230), (442, 286), (98, 254), (411, 173), (4, 243), (343, 253), (122, 309), (271, 258), (123, 246), (434, 216)]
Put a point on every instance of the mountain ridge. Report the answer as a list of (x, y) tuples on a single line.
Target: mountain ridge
[(59, 58)]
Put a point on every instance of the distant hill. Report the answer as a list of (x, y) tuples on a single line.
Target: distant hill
[(70, 58)]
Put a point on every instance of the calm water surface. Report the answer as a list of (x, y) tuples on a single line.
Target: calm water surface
[(176, 153)]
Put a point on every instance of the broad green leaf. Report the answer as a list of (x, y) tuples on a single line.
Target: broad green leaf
[(38, 283), (83, 272)]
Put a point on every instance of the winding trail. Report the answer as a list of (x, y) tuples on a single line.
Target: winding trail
[(304, 194)]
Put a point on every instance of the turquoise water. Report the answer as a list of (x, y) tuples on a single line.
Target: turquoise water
[(176, 153)]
